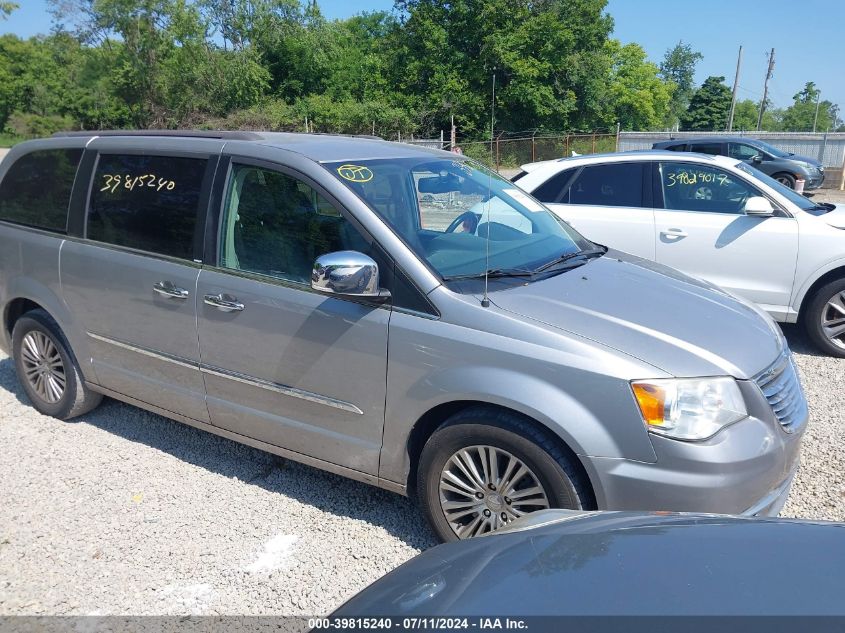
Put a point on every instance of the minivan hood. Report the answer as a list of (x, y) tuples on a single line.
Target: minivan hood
[(680, 325)]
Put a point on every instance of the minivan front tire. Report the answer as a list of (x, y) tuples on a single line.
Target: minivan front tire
[(485, 467), (47, 369)]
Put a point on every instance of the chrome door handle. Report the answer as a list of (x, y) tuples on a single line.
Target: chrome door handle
[(170, 290), (674, 233), (223, 302)]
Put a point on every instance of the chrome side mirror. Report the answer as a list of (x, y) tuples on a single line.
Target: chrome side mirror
[(347, 273), (758, 206)]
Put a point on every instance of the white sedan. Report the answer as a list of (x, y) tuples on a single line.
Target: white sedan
[(712, 217)]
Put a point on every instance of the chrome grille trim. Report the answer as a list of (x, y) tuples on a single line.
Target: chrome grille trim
[(781, 387)]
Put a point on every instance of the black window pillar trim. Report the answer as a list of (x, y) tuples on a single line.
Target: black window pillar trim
[(79, 194), (209, 180), (214, 211)]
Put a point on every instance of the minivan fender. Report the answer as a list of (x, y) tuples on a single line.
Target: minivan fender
[(549, 405), (24, 287)]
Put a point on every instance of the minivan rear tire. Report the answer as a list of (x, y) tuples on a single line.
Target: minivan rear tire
[(817, 311), (39, 346), (486, 431)]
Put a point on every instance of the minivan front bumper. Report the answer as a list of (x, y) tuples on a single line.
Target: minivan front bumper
[(746, 469)]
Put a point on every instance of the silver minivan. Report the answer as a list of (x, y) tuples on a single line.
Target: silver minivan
[(395, 314)]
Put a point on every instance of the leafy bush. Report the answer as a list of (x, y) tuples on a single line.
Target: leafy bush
[(27, 125)]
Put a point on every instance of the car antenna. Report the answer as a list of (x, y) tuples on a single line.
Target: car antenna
[(485, 301)]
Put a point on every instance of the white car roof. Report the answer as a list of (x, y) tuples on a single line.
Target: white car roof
[(559, 164)]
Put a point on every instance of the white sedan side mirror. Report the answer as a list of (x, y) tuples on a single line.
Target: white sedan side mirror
[(759, 206)]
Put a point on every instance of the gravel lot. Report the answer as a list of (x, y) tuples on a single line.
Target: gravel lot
[(125, 512)]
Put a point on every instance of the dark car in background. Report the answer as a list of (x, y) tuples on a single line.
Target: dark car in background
[(563, 563), (783, 166)]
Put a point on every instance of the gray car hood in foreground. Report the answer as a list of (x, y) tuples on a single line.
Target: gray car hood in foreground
[(678, 324), (619, 563)]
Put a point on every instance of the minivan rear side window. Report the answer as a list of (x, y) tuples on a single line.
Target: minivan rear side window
[(36, 189), (146, 202)]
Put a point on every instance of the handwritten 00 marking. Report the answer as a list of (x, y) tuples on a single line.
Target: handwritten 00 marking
[(112, 181)]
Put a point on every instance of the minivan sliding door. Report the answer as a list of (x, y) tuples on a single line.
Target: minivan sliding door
[(131, 283)]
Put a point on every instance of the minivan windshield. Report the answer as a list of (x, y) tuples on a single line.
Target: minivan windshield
[(463, 219)]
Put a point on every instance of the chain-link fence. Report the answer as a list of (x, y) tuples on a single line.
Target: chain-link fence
[(509, 150)]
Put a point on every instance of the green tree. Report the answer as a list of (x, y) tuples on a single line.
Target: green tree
[(747, 111), (799, 117), (678, 67), (745, 115), (548, 58), (709, 106), (639, 98), (6, 8), (161, 65)]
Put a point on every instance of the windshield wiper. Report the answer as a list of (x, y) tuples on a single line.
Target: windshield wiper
[(493, 273), (570, 256)]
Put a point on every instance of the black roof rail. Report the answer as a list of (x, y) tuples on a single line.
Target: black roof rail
[(214, 134)]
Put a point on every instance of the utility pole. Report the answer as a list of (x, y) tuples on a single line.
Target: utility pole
[(736, 85), (766, 89), (452, 137), (816, 118)]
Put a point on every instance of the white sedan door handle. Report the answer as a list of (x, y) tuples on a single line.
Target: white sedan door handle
[(675, 233)]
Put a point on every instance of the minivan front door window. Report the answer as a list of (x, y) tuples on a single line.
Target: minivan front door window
[(276, 225)]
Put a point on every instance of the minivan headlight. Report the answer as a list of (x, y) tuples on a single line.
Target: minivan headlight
[(689, 408)]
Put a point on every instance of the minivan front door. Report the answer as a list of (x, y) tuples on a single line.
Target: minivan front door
[(703, 231), (284, 364), (132, 282)]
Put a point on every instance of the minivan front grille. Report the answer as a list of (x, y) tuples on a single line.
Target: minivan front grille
[(782, 389)]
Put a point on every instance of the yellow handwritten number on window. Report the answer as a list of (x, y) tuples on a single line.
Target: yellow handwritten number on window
[(112, 181)]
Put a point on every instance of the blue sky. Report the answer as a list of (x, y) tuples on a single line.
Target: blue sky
[(806, 48)]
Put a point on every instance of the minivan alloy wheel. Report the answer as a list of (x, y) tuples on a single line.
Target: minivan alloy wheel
[(43, 366), (833, 319), (482, 488)]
